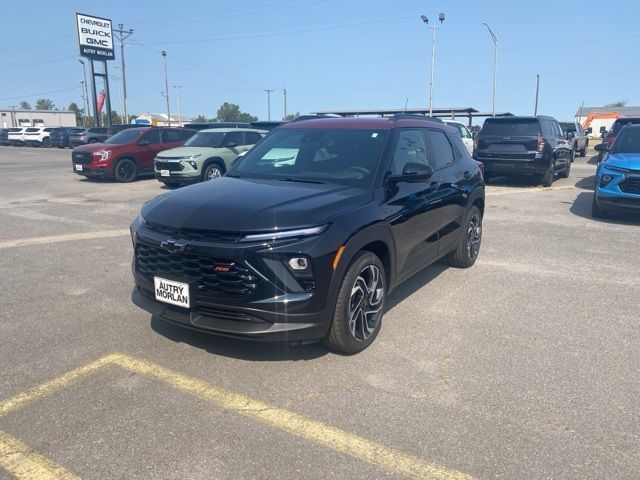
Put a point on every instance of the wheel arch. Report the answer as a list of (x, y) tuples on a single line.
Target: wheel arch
[(216, 160)]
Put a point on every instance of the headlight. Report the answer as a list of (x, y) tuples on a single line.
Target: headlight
[(104, 155), (301, 232)]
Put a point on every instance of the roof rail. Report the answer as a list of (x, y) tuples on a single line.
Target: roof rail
[(311, 117), (400, 116)]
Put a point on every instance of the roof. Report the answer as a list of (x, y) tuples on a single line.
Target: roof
[(391, 111), (625, 111), (375, 123), (232, 129)]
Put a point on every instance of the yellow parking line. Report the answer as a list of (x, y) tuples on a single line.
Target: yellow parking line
[(318, 432), (22, 462), (63, 238), (54, 385)]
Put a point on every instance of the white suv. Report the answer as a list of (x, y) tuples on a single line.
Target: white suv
[(467, 138), (16, 136), (38, 136)]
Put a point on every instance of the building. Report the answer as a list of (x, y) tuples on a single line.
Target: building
[(36, 118), (597, 117), (160, 119)]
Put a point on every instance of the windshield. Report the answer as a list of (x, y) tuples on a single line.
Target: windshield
[(627, 142), (124, 136), (617, 126), (206, 139), (331, 156), (513, 127), (568, 127)]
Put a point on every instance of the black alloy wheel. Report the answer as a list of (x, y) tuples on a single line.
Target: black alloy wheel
[(125, 170)]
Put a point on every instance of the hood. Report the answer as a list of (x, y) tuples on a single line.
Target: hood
[(186, 152), (251, 205), (630, 161), (94, 147)]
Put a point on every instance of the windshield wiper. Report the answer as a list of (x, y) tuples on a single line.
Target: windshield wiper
[(301, 180)]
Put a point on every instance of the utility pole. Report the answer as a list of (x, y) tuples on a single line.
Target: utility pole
[(433, 56), (87, 110), (13, 115), (84, 101), (177, 87), (535, 112), (268, 103), (121, 34), (166, 87), (495, 64), (284, 93)]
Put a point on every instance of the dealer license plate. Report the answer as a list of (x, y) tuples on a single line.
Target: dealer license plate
[(170, 291), (165, 173), (78, 168)]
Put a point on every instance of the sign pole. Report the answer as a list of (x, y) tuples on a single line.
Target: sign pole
[(94, 94), (108, 93)]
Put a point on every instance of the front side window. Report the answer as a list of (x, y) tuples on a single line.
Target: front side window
[(153, 137), (627, 142), (252, 137), (440, 148), (206, 139), (234, 137), (409, 149), (124, 136), (325, 156)]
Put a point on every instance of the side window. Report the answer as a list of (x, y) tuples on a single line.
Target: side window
[(410, 148), (440, 148), (234, 137), (170, 136), (252, 138), (545, 128), (465, 132), (153, 137), (556, 128)]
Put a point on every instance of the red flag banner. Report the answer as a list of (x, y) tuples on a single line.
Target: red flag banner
[(100, 103)]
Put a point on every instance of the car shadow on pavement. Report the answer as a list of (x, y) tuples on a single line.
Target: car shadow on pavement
[(582, 208), (237, 348), (415, 283), (586, 183), (593, 160)]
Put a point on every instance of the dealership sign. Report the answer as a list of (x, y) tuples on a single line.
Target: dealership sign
[(95, 37)]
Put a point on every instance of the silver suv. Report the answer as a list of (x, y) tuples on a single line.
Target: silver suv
[(205, 156)]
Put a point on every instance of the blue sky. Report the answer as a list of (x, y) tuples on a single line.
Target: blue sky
[(334, 54)]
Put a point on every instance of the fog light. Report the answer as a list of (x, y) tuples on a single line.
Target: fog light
[(194, 165), (605, 179), (298, 263)]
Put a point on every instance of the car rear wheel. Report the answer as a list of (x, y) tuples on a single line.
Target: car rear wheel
[(212, 171), (125, 170), (465, 255), (596, 211), (547, 178), (359, 308), (46, 142), (567, 170)]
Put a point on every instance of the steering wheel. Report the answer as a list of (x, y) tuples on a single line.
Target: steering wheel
[(361, 170)]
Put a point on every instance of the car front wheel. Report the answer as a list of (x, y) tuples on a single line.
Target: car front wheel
[(359, 308), (212, 172), (125, 170), (465, 255)]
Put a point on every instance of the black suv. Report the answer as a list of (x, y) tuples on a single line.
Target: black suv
[(307, 234), (523, 146), (60, 136)]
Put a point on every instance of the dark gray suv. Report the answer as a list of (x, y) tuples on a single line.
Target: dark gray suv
[(88, 135)]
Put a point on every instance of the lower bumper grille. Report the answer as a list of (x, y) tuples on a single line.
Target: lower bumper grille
[(81, 157), (171, 166), (631, 185)]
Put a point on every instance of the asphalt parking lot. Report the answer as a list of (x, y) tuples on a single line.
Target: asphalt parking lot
[(522, 367)]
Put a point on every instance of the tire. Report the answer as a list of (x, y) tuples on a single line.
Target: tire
[(46, 142), (125, 170), (365, 280), (212, 171), (573, 155), (583, 152), (487, 177), (565, 173), (60, 146), (596, 211), (547, 179), (93, 140), (171, 184), (467, 251)]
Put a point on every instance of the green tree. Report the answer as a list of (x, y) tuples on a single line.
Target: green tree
[(200, 119), (73, 107), (619, 103), (291, 116), (25, 105), (230, 112), (45, 104)]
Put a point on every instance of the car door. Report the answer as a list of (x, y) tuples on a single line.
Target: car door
[(449, 177), (148, 147), (412, 209)]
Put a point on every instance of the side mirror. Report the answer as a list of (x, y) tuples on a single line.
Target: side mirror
[(571, 135), (142, 143), (600, 148), (588, 131), (231, 145), (413, 172), (474, 134), (603, 130)]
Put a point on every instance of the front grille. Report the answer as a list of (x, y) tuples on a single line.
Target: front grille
[(81, 157), (171, 166), (190, 234), (631, 185), (209, 284)]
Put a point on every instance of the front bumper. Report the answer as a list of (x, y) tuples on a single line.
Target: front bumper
[(178, 177)]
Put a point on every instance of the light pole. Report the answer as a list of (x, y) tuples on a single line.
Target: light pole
[(495, 64), (433, 55), (268, 103), (122, 35), (177, 87), (166, 87), (84, 101), (86, 92), (284, 93)]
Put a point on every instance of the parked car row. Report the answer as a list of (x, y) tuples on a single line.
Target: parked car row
[(61, 137)]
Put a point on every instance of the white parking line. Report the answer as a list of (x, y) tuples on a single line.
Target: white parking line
[(24, 242), (495, 193)]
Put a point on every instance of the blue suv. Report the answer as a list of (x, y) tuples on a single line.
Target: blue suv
[(618, 175)]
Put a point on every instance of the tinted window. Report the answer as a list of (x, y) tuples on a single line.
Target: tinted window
[(186, 134), (33, 130), (153, 137), (234, 137), (617, 126), (171, 136), (628, 141), (332, 156), (568, 127), (440, 147), (511, 127), (251, 138), (125, 136), (48, 129), (410, 148), (462, 130), (206, 139)]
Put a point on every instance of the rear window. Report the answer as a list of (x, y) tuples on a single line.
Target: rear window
[(513, 127), (618, 124), (33, 129)]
